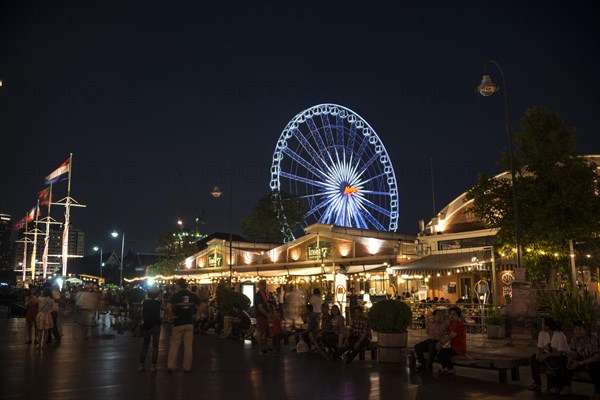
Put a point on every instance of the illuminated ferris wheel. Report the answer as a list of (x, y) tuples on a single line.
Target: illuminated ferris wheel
[(331, 158)]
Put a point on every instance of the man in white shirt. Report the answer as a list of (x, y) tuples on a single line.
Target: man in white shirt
[(552, 350)]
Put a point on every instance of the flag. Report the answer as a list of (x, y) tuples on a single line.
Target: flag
[(65, 248), (60, 173), (45, 255), (45, 196), (31, 214), (19, 225)]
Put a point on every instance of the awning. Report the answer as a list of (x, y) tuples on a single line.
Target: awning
[(456, 262)]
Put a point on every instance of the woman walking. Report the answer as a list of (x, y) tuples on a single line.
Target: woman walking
[(31, 304), (43, 319), (151, 307)]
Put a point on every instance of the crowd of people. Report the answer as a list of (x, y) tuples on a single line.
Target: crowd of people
[(318, 326), (447, 338)]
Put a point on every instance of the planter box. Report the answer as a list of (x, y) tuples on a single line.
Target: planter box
[(496, 331), (391, 347)]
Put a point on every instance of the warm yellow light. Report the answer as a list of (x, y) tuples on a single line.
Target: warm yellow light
[(448, 273), (529, 250), (555, 254), (188, 263), (438, 275), (373, 246), (588, 255), (295, 254)]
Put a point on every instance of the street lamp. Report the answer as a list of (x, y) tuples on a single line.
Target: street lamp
[(96, 248), (488, 88), (216, 193), (115, 234)]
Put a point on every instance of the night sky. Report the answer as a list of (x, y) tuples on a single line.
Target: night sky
[(158, 99)]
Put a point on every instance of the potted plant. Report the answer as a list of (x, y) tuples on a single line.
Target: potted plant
[(495, 325), (390, 319)]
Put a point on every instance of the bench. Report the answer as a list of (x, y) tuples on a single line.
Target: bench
[(579, 375), (372, 347), (499, 363)]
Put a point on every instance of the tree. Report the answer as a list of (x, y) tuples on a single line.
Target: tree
[(262, 223), (557, 194), (174, 247)]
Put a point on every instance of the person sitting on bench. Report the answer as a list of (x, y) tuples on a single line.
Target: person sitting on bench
[(585, 355), (456, 336), (436, 327)]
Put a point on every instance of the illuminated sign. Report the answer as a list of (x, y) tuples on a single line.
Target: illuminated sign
[(318, 253), (215, 260), (349, 190)]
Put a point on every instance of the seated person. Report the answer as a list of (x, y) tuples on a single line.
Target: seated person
[(436, 327), (456, 336), (552, 349), (333, 328), (359, 336), (584, 354), (240, 323), (312, 329)]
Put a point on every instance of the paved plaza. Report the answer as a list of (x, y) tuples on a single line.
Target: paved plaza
[(104, 367)]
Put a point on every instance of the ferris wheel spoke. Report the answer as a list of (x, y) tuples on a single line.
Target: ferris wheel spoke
[(317, 207), (327, 128), (298, 178), (366, 214), (358, 217), (314, 131), (373, 178), (378, 193), (368, 164), (296, 157), (311, 150), (364, 202), (363, 145)]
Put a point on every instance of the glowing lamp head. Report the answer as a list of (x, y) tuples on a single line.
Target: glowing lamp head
[(114, 234), (216, 192), (487, 87)]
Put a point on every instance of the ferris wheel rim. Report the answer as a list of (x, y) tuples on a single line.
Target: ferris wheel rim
[(357, 122)]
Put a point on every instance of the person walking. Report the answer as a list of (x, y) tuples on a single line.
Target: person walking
[(151, 307), (262, 316), (54, 314), (43, 319), (31, 305), (182, 309)]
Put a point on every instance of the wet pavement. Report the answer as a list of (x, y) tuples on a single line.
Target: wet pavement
[(104, 367)]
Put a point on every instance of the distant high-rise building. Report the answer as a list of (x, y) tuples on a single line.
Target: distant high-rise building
[(76, 249), (5, 228)]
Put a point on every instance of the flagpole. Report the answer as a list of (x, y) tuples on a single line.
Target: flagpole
[(35, 232), (47, 238), (25, 248), (65, 244)]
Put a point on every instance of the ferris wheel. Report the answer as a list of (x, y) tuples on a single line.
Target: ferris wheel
[(330, 158)]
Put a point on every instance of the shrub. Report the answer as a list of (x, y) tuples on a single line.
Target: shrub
[(571, 305), (390, 316)]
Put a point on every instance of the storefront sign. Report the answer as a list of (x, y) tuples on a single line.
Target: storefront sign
[(321, 252), (215, 260)]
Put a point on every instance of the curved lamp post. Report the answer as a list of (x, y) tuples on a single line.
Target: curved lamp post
[(488, 88), (216, 193), (115, 234)]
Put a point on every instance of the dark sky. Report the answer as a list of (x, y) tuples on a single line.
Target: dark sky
[(141, 90)]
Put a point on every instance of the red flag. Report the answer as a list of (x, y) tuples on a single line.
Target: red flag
[(30, 215), (19, 225), (45, 196)]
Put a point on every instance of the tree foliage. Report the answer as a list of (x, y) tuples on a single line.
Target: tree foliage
[(557, 193), (174, 247), (262, 223)]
